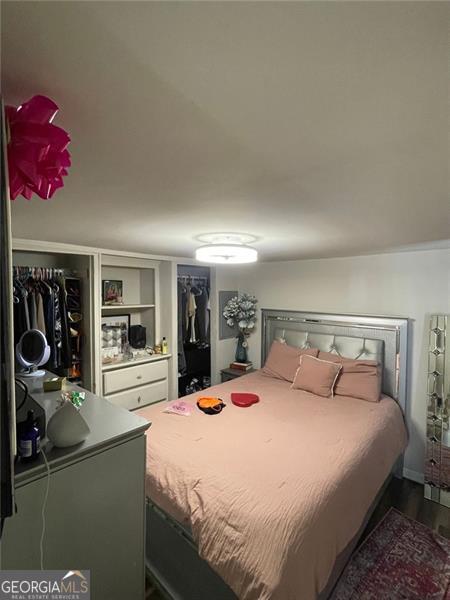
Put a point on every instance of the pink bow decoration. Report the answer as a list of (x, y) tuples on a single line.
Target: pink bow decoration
[(37, 150)]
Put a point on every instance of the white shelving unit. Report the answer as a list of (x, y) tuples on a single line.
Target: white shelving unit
[(135, 383), (116, 307), (150, 298), (140, 287)]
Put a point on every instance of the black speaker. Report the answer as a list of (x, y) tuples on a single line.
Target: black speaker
[(137, 336)]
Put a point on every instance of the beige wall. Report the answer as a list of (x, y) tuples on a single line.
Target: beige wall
[(409, 284)]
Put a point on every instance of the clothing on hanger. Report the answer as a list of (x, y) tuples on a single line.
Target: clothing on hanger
[(40, 319), (192, 308), (201, 316), (40, 302), (181, 296), (66, 354), (32, 309), (20, 310), (208, 317), (50, 319)]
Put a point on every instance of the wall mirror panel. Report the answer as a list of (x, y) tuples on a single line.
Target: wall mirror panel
[(437, 462)]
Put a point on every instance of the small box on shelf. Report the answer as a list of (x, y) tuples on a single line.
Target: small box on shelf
[(241, 366), (229, 374)]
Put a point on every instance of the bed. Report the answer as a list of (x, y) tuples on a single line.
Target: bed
[(268, 502)]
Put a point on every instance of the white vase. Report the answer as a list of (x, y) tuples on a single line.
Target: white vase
[(67, 427)]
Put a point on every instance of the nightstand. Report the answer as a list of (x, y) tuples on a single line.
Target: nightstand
[(229, 374)]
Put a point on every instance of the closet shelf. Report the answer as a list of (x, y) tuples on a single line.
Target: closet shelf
[(138, 361), (127, 306)]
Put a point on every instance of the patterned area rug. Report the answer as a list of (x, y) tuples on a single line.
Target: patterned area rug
[(400, 560)]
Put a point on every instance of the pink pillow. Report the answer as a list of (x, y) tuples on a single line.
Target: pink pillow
[(316, 376), (283, 360), (358, 378)]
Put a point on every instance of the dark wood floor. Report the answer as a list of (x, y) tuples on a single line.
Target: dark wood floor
[(407, 497), (402, 494)]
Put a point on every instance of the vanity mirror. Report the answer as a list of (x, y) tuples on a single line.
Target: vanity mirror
[(437, 462)]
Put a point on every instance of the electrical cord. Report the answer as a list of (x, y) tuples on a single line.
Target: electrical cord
[(44, 505), (24, 387)]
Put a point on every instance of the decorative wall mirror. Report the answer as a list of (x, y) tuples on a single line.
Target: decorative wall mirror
[(437, 462)]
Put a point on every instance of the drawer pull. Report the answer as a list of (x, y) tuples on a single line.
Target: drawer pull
[(139, 377), (142, 395)]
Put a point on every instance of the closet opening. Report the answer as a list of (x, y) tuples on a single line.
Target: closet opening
[(52, 293), (194, 329)]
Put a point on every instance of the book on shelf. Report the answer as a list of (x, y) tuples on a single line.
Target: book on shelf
[(241, 366)]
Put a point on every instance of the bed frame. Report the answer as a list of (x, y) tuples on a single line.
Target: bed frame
[(172, 558)]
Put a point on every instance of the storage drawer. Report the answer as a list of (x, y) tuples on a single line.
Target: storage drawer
[(122, 379), (141, 396)]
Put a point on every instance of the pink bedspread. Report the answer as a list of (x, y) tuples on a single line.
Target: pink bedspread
[(272, 493)]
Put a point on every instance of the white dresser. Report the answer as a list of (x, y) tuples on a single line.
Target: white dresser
[(137, 384), (95, 510)]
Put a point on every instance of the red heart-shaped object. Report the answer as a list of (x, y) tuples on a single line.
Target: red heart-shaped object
[(243, 399)]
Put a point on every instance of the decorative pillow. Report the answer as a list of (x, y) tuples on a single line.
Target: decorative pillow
[(358, 378), (283, 360), (316, 376)]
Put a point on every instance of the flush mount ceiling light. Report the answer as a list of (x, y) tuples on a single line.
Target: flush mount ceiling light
[(230, 253), (226, 248)]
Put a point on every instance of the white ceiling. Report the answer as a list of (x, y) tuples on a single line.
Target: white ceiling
[(321, 128)]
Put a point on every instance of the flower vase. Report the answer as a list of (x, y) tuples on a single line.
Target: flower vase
[(241, 349)]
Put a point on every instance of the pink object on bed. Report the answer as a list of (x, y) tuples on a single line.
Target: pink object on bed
[(283, 360), (272, 525), (316, 376), (358, 378)]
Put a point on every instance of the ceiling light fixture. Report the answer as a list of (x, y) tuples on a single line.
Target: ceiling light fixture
[(226, 248)]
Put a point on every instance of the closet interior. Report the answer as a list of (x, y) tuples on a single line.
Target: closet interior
[(52, 293), (194, 328)]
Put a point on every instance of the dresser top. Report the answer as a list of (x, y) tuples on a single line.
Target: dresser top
[(109, 424)]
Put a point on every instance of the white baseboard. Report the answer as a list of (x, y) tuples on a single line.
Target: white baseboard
[(413, 475)]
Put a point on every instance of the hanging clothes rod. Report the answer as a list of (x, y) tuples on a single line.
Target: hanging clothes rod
[(193, 277), (43, 272)]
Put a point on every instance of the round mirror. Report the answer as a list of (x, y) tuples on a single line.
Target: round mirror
[(32, 351)]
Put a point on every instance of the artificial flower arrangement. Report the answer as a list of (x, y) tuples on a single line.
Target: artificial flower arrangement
[(241, 311)]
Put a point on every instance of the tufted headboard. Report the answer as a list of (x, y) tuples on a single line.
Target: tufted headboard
[(375, 338)]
